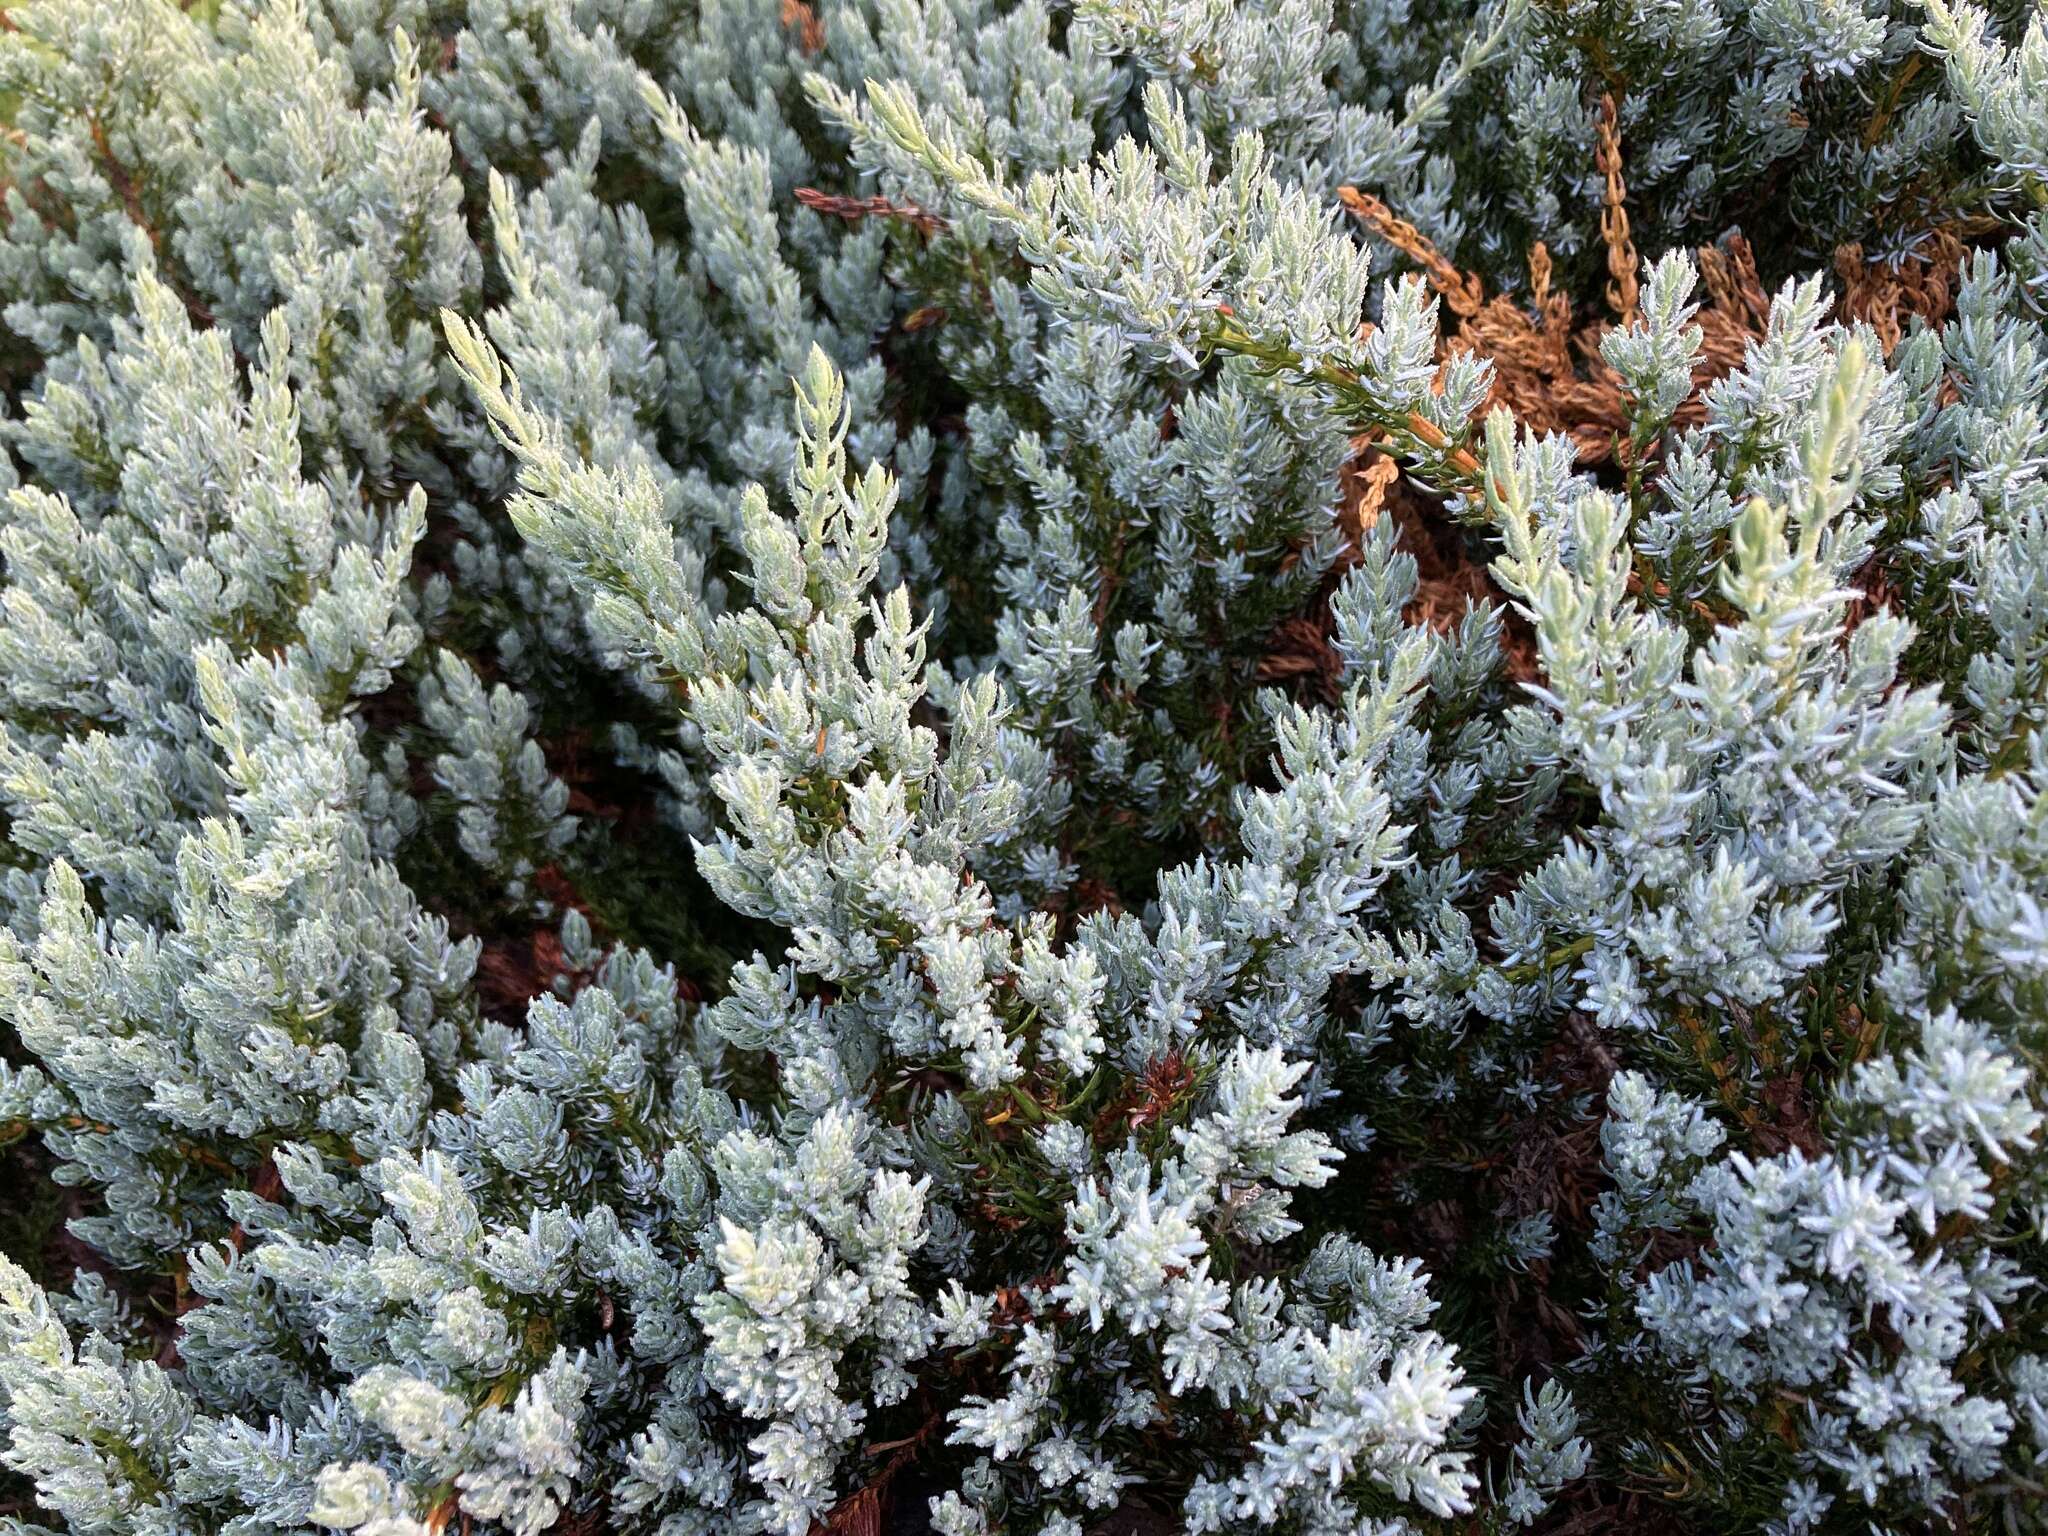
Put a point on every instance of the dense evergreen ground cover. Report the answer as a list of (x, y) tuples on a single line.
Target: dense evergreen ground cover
[(1086, 768)]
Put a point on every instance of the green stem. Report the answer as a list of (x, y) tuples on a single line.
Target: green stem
[(1536, 970)]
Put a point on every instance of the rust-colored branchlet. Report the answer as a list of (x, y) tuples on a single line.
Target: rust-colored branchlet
[(1547, 367), (1462, 293), (1888, 295), (802, 19), (1614, 233), (854, 209)]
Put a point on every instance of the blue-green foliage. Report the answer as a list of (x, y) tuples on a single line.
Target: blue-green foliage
[(599, 942)]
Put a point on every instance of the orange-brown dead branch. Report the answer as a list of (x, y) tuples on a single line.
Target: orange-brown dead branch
[(1461, 292), (801, 19), (1887, 295), (1547, 367), (1166, 1081), (1621, 250), (834, 205)]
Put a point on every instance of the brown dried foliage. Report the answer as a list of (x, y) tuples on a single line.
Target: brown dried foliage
[(1547, 365), (1462, 292), (1887, 295), (1165, 1083), (1621, 250), (858, 1514), (853, 209), (863, 1512), (1450, 577), (1371, 479), (582, 1522), (513, 969), (801, 19), (1300, 648)]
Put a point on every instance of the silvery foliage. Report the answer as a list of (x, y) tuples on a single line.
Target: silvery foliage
[(1779, 802), (2000, 88), (669, 1271), (306, 159), (209, 944), (1200, 506), (1801, 120), (1762, 782), (846, 825), (510, 810), (591, 1169)]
